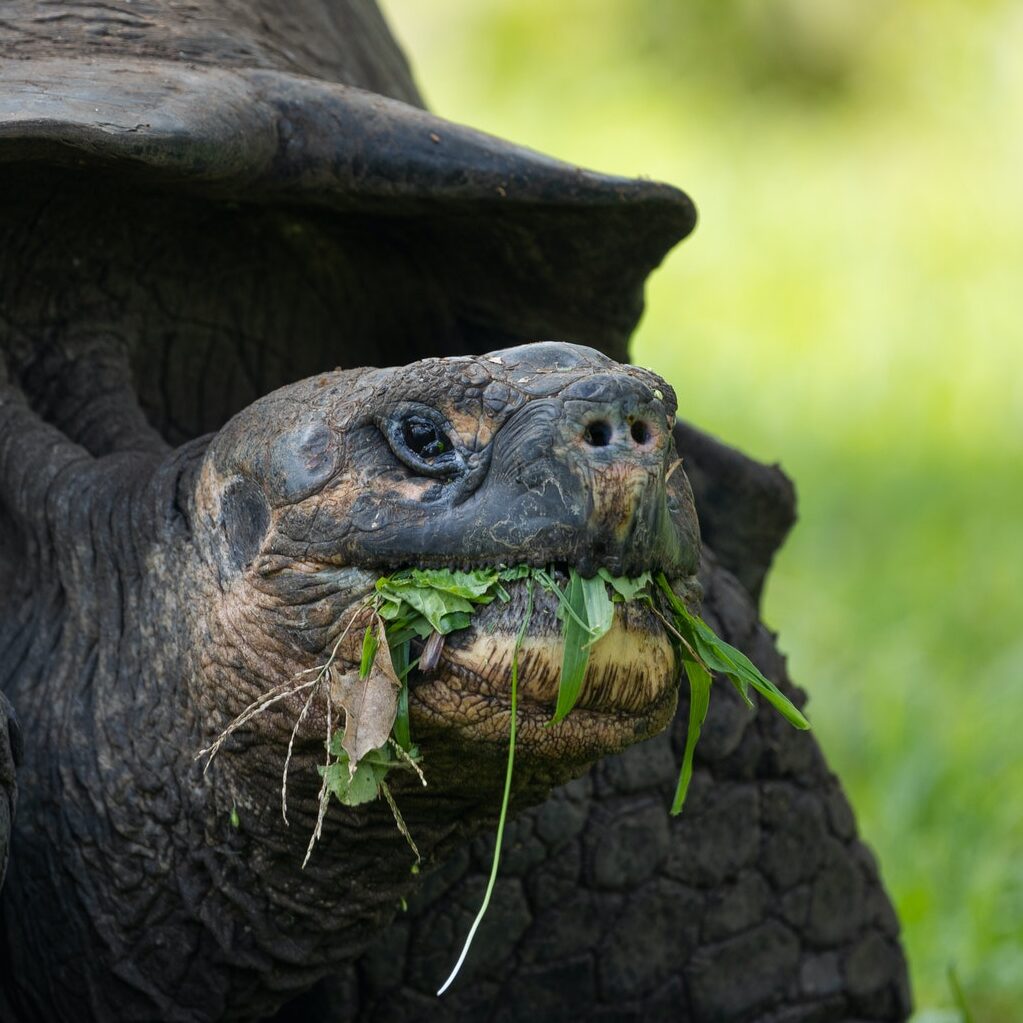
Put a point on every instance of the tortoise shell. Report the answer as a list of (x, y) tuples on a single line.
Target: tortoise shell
[(182, 143)]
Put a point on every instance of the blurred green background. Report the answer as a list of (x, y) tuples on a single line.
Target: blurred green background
[(851, 306)]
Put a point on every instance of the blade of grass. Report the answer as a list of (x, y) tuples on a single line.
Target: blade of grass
[(576, 635), (548, 583), (699, 701), (401, 731), (507, 790), (959, 995), (717, 655), (369, 651), (600, 610), (398, 819)]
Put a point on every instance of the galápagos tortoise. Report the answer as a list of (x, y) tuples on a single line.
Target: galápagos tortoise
[(208, 201)]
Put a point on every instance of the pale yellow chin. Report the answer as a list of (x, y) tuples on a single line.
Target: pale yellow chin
[(628, 693), (629, 668)]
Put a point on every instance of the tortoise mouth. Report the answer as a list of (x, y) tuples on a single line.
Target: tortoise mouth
[(628, 693), (460, 694)]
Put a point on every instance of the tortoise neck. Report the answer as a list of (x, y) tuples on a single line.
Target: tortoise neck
[(91, 669)]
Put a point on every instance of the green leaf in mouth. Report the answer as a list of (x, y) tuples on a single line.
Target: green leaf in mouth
[(699, 702), (369, 651), (704, 652), (587, 613), (717, 655), (627, 589), (362, 785), (417, 602)]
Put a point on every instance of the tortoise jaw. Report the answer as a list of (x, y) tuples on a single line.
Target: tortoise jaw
[(628, 693), (585, 735), (460, 693)]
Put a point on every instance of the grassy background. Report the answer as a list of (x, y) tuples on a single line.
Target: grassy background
[(851, 305)]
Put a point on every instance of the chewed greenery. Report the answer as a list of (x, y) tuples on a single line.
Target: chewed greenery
[(419, 603), (428, 604), (423, 602)]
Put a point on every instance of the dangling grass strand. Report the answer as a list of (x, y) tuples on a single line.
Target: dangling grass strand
[(507, 791)]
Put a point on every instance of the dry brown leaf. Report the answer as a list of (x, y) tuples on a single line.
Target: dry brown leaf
[(370, 704)]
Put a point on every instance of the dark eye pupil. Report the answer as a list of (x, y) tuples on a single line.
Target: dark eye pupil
[(423, 438)]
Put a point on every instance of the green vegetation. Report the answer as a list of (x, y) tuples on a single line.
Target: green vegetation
[(702, 653), (959, 996), (373, 736), (848, 306), (432, 603), (415, 603)]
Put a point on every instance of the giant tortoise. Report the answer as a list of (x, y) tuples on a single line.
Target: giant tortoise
[(215, 213)]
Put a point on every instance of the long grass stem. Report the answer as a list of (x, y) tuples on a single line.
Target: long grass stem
[(507, 792)]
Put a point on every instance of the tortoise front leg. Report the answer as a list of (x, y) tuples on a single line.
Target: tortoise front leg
[(34, 457), (82, 384)]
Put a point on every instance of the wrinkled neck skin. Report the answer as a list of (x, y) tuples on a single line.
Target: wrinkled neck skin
[(130, 887)]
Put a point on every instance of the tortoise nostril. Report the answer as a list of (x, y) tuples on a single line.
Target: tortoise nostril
[(640, 432), (598, 434)]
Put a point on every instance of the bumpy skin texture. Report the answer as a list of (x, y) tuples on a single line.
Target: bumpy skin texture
[(764, 866)]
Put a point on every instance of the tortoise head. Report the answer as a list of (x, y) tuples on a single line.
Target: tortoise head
[(543, 455)]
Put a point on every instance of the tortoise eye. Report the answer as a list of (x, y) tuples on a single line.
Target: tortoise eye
[(423, 438), (417, 437)]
